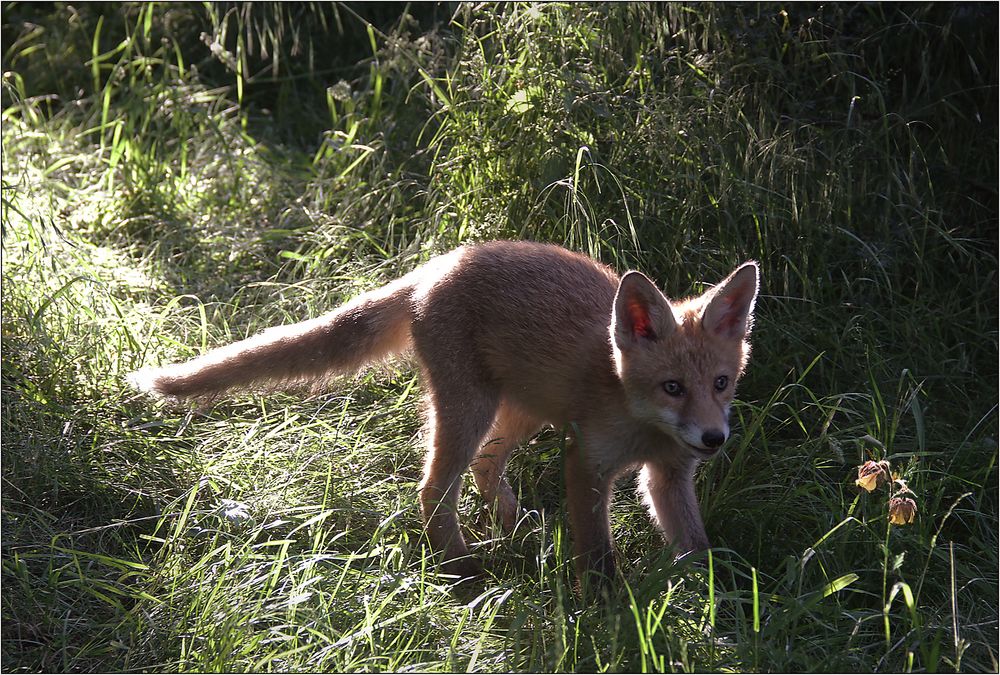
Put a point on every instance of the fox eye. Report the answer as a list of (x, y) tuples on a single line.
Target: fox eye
[(673, 388), (721, 382)]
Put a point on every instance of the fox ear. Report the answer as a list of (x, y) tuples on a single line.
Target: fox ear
[(729, 312), (641, 312)]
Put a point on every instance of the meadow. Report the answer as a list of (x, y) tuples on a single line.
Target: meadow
[(177, 176)]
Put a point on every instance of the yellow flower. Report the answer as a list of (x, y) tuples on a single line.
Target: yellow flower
[(902, 510), (871, 474)]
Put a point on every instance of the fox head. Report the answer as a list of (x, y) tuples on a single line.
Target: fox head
[(679, 361)]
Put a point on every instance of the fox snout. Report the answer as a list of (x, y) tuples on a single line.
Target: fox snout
[(706, 440), (713, 438)]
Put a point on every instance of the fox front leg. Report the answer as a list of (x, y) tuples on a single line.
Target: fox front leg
[(588, 496), (669, 494)]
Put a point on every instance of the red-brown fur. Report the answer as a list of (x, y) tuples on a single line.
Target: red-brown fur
[(509, 337)]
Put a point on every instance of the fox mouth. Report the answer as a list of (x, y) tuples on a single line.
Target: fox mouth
[(700, 451)]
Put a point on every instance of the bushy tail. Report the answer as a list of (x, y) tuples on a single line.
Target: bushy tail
[(371, 327)]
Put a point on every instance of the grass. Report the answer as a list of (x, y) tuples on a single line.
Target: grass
[(177, 176)]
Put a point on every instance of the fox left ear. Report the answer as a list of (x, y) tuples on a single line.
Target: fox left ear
[(729, 312)]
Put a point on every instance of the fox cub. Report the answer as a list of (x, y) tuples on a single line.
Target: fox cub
[(509, 337)]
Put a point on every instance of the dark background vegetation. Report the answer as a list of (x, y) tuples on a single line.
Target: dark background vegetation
[(179, 175)]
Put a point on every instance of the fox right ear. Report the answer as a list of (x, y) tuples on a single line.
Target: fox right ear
[(641, 312)]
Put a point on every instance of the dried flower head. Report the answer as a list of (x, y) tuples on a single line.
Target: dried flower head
[(871, 474), (902, 510)]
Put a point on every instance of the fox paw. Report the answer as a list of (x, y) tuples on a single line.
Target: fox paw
[(464, 568), (506, 509)]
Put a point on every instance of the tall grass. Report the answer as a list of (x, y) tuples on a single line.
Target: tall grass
[(178, 176)]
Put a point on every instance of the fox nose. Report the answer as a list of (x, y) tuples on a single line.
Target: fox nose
[(713, 438)]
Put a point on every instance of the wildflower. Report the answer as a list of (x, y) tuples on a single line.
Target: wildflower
[(871, 474), (340, 91), (902, 510)]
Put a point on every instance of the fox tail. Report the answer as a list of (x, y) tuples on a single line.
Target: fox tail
[(370, 327)]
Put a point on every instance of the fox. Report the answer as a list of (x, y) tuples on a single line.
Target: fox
[(511, 336)]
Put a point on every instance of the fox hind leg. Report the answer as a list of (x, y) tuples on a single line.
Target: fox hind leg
[(510, 428), (459, 416)]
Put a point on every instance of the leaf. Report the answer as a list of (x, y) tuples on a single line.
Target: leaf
[(839, 584), (523, 100), (519, 103)]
